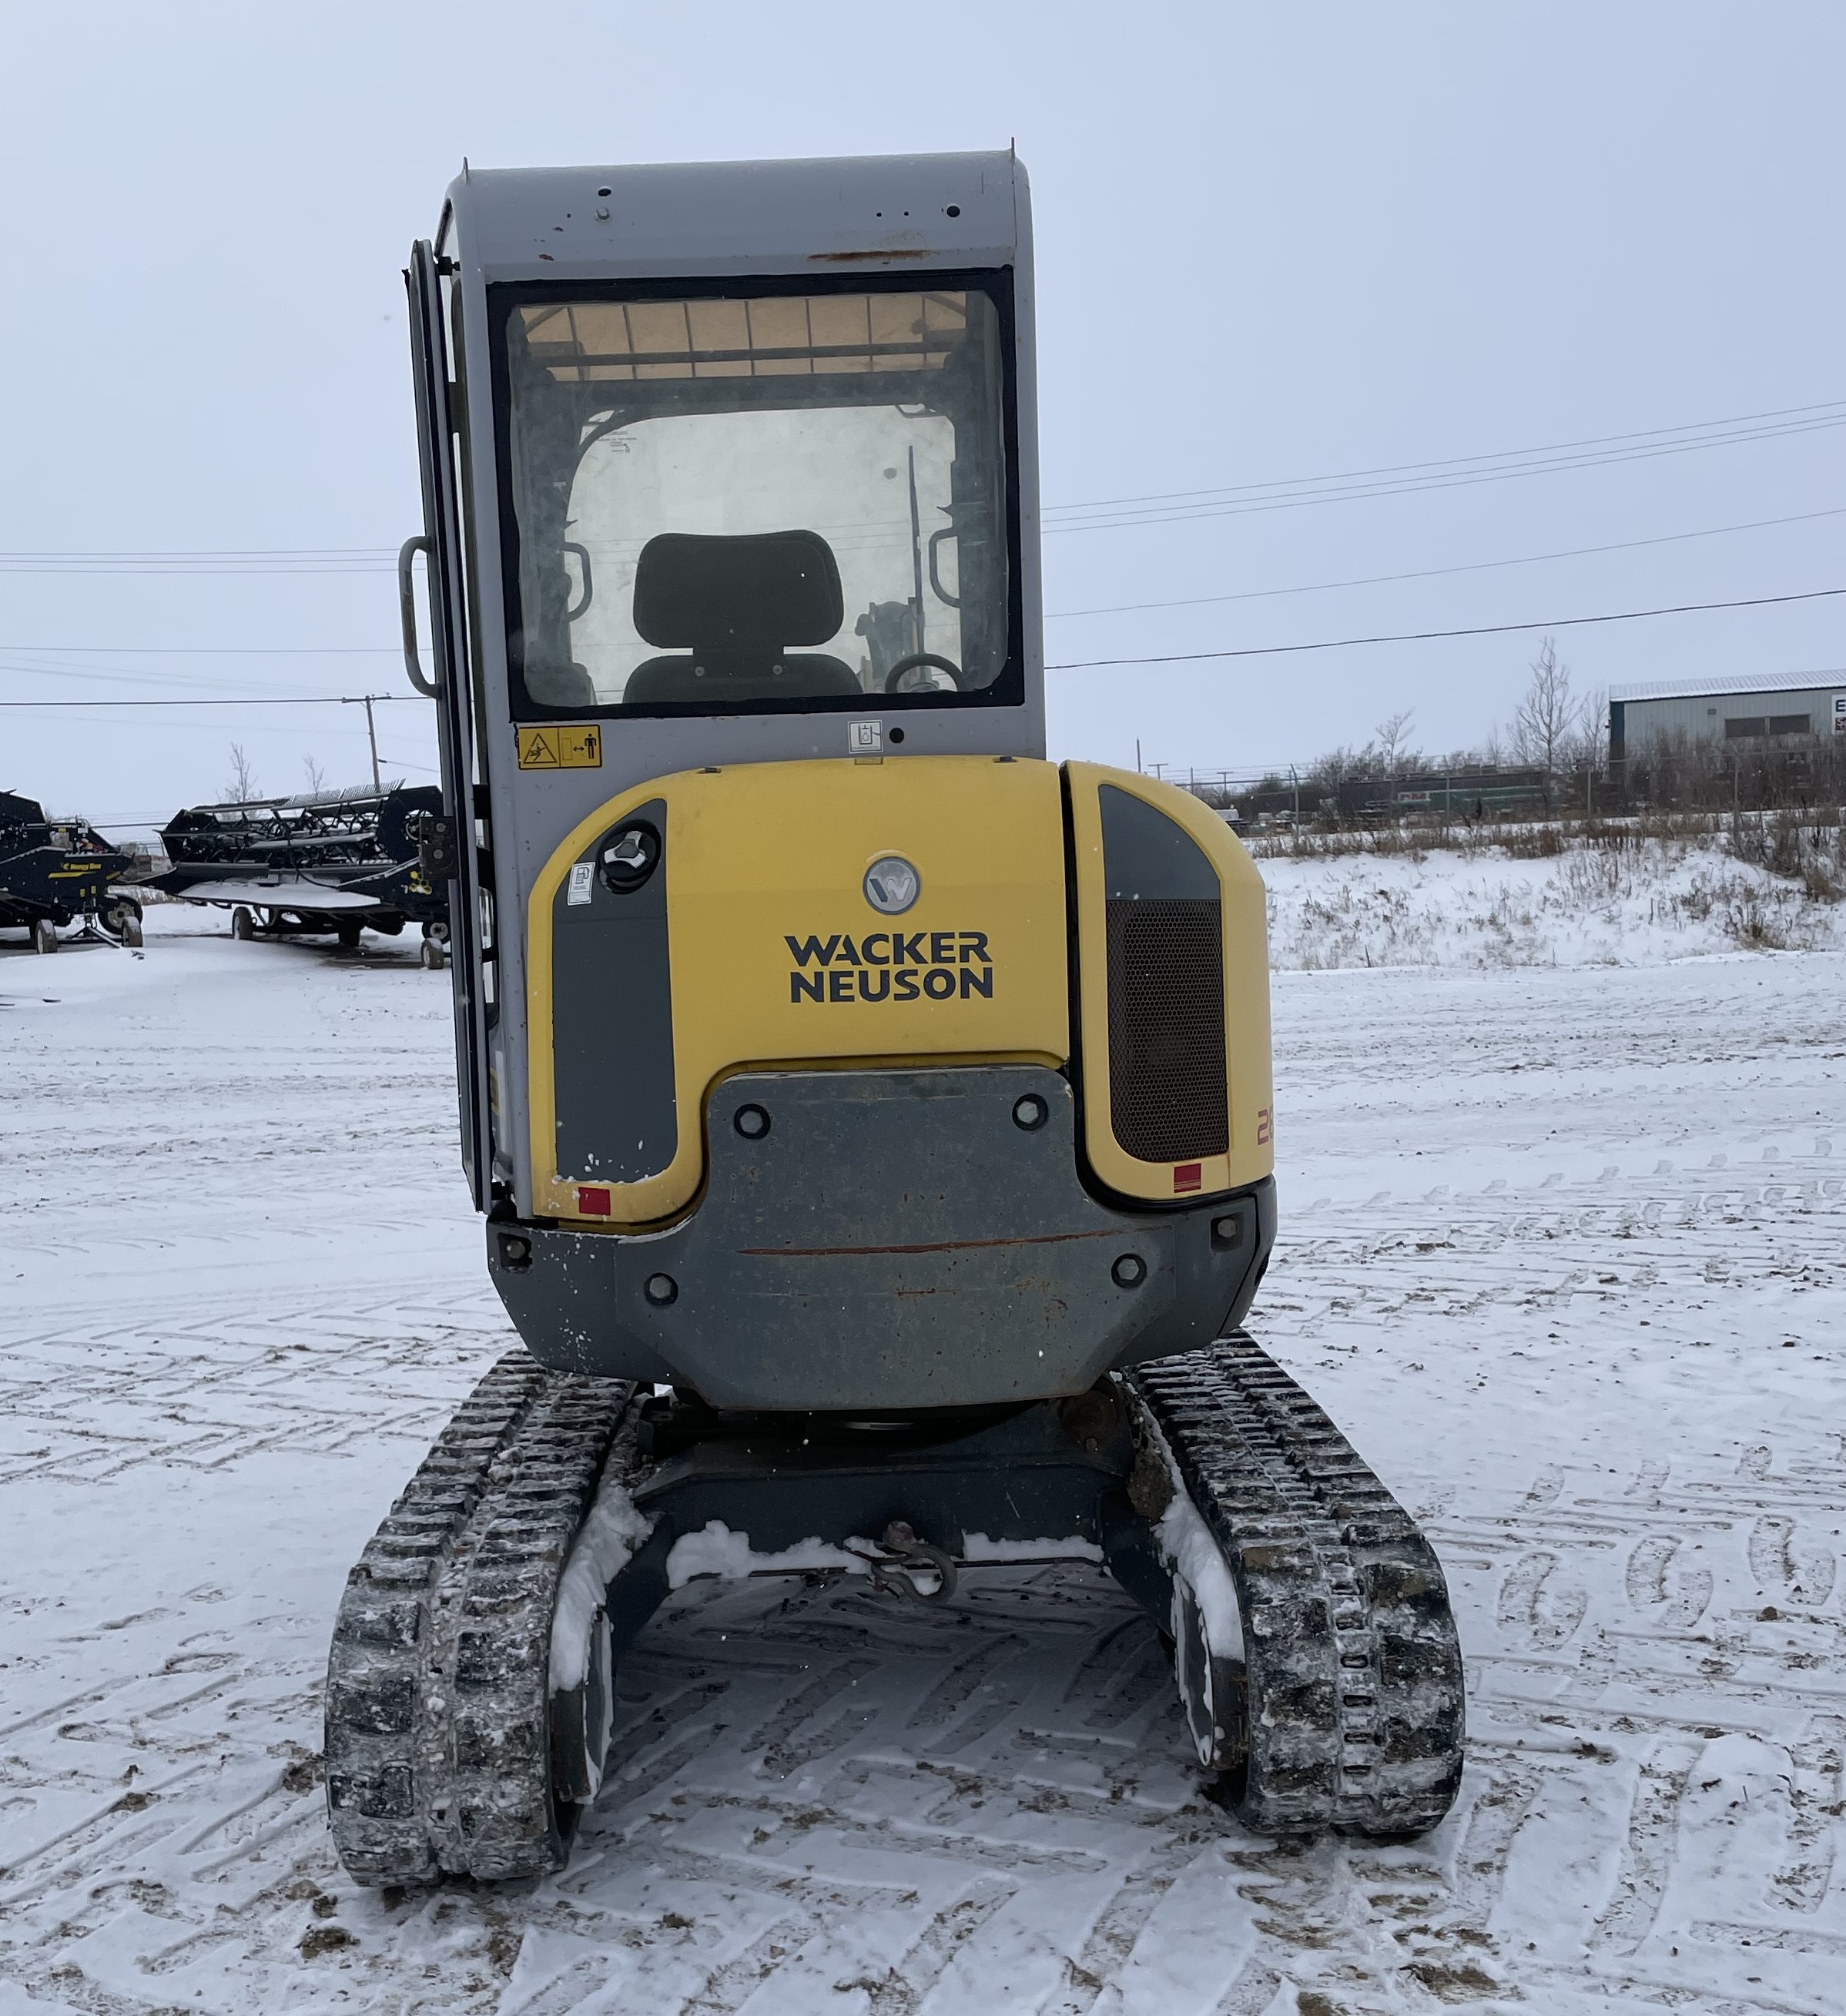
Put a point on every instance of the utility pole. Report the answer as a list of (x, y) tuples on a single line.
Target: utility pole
[(365, 700)]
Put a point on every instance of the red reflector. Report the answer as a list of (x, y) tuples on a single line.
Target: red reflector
[(594, 1202), (1189, 1176)]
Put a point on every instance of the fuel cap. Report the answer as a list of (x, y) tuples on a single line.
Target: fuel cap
[(628, 856)]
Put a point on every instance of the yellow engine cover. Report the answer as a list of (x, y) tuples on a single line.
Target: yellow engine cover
[(1247, 1114), (773, 952)]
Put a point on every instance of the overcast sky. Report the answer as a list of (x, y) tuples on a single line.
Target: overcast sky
[(1358, 238)]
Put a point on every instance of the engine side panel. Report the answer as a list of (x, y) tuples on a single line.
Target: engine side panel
[(774, 954), (1166, 1116)]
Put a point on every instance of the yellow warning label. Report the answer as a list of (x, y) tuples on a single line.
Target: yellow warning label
[(560, 748)]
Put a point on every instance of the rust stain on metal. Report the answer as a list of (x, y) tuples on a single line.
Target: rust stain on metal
[(940, 1246)]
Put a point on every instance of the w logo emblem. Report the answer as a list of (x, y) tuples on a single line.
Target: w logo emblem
[(892, 885)]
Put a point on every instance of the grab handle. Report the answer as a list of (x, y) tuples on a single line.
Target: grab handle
[(575, 610), (407, 611), (942, 594)]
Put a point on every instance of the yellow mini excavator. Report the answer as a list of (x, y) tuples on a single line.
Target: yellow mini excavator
[(871, 1119)]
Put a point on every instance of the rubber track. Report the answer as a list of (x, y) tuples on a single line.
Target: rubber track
[(1353, 1671), (437, 1738)]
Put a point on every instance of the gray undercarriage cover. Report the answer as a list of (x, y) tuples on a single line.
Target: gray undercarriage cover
[(895, 1240)]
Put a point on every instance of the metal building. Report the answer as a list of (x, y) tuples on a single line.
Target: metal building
[(1764, 710)]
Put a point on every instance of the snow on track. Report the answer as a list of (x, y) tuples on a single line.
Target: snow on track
[(1595, 1340)]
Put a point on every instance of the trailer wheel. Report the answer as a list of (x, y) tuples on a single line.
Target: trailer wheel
[(243, 925), (438, 929), (121, 916), (432, 956), (45, 934)]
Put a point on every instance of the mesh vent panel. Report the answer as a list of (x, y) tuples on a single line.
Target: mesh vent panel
[(1168, 1099)]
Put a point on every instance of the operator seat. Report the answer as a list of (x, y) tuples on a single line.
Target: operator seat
[(733, 604)]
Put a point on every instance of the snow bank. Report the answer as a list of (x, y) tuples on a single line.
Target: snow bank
[(1645, 904)]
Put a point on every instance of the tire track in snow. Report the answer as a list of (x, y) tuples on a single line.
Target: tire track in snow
[(996, 1809)]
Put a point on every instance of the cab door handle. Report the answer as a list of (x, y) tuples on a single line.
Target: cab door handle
[(407, 554)]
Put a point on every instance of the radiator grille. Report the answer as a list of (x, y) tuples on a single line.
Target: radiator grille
[(1168, 1098)]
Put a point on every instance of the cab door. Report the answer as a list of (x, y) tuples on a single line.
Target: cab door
[(470, 954)]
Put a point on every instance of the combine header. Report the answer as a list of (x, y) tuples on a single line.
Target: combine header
[(339, 861), (55, 872)]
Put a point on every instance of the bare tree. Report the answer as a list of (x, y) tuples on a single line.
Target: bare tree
[(1548, 722), (1593, 722), (317, 777), (242, 786), (1343, 766), (1393, 741)]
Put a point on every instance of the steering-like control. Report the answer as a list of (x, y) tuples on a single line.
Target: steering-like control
[(916, 660)]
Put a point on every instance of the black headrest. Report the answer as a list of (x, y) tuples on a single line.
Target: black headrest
[(759, 590)]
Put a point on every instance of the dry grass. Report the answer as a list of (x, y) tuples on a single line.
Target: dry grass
[(1783, 842), (1747, 922), (1824, 882)]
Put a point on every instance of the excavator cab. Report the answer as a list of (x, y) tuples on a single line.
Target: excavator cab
[(871, 1119)]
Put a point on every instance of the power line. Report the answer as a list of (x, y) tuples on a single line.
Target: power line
[(1281, 499), (233, 699), (208, 684), (1429, 573), (1789, 413), (1159, 507), (225, 553), (1057, 615), (221, 650), (1425, 636), (205, 560), (1094, 665)]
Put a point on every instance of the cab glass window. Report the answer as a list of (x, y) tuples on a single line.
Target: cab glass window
[(757, 500)]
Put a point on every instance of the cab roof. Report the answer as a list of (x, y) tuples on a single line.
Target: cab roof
[(872, 214)]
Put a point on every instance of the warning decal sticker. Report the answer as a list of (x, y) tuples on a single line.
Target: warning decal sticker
[(560, 748)]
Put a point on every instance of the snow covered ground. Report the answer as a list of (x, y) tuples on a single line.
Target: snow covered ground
[(1595, 1340)]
